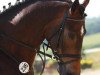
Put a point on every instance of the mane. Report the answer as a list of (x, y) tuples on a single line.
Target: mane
[(26, 2), (11, 12), (16, 6)]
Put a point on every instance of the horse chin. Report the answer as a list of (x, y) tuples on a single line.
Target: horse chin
[(64, 69)]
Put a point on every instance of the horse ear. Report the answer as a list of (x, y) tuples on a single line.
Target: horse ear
[(74, 5), (85, 3)]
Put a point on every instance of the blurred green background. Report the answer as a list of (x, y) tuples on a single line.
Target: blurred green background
[(90, 50)]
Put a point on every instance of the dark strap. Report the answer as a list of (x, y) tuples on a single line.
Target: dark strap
[(48, 55), (10, 56), (4, 35)]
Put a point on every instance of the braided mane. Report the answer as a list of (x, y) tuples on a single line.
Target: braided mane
[(16, 6), (11, 12)]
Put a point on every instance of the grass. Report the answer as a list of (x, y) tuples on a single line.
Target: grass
[(91, 41), (95, 56)]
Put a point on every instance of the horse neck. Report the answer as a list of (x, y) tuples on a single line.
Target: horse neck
[(30, 29), (30, 34)]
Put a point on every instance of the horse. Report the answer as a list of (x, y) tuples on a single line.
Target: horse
[(23, 28)]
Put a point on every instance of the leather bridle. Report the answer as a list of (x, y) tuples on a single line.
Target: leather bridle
[(59, 57)]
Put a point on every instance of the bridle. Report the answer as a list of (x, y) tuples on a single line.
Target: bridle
[(57, 56)]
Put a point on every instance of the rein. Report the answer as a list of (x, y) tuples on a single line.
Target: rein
[(5, 36)]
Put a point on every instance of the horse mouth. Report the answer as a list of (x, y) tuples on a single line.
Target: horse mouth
[(64, 69)]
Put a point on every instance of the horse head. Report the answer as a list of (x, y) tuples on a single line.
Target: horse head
[(67, 42)]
